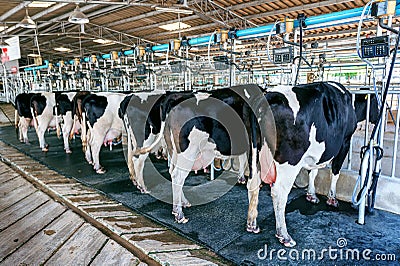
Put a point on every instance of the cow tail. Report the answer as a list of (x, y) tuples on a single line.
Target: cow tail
[(16, 119), (148, 149), (16, 122), (83, 135), (57, 122), (72, 132), (35, 122), (253, 137)]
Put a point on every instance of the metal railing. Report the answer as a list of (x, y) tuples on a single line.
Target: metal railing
[(390, 131)]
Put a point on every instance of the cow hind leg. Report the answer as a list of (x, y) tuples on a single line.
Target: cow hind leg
[(311, 196), (178, 177), (280, 191), (95, 148), (242, 167), (253, 190), (332, 201), (138, 163), (337, 163)]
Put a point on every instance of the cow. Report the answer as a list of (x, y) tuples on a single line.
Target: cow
[(48, 110), (197, 127), (360, 108), (100, 125), (141, 114), (314, 124), (23, 115)]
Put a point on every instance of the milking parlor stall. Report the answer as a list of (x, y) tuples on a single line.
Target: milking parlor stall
[(199, 132)]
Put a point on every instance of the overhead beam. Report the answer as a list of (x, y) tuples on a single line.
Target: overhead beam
[(14, 10), (266, 14)]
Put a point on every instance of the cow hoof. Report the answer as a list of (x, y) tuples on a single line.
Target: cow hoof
[(68, 151), (180, 219), (241, 180), (332, 202), (289, 243), (183, 220), (45, 149), (186, 205), (101, 171), (253, 229), (312, 198), (143, 190)]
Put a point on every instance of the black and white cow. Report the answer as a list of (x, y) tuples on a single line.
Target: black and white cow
[(314, 124), (48, 110), (360, 107), (202, 126), (23, 115), (141, 113), (101, 124)]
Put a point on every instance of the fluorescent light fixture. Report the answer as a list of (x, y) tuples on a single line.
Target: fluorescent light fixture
[(175, 26), (77, 17), (174, 10), (159, 54), (104, 41), (33, 55), (27, 21), (62, 49), (41, 4)]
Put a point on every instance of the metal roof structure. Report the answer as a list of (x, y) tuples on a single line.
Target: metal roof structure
[(128, 23)]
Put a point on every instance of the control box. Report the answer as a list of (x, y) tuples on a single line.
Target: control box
[(375, 47), (283, 55)]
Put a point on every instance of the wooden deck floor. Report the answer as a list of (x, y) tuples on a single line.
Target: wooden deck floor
[(36, 230)]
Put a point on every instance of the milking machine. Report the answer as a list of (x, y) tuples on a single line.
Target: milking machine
[(372, 153)]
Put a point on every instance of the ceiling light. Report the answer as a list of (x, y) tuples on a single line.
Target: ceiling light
[(174, 10), (27, 22), (41, 4), (77, 17), (62, 49), (33, 55), (104, 41), (175, 26)]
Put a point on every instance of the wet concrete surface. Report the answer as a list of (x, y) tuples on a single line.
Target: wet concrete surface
[(220, 225)]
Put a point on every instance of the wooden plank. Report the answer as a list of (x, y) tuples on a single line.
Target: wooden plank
[(90, 199), (131, 224), (38, 249), (110, 210), (81, 248), (187, 258), (18, 233), (9, 175), (114, 254), (16, 195), (160, 241), (75, 189), (21, 208), (9, 186)]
